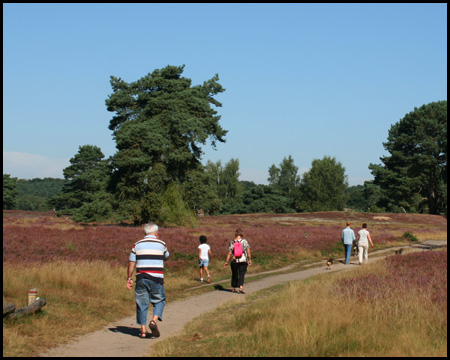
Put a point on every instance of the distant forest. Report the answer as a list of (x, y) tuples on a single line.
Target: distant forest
[(34, 195)]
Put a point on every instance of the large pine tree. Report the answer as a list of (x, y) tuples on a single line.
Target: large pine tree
[(159, 125), (414, 177)]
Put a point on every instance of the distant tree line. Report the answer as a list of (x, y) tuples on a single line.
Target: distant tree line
[(31, 195), (214, 190), (160, 123)]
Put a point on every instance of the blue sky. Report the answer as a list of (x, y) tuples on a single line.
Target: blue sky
[(306, 80)]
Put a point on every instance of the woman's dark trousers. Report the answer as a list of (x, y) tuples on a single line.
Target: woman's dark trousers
[(238, 271)]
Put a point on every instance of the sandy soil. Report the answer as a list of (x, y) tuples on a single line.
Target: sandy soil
[(120, 339)]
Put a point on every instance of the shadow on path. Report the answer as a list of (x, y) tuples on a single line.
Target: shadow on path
[(350, 263), (125, 330), (221, 288)]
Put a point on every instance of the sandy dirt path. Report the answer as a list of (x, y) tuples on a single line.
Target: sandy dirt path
[(120, 338)]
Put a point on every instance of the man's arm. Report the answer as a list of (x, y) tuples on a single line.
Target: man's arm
[(131, 267), (166, 254)]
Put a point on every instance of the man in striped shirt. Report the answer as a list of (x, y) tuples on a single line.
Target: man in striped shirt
[(147, 257)]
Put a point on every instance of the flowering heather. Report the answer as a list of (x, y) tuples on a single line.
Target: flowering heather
[(424, 271), (43, 237), (36, 243)]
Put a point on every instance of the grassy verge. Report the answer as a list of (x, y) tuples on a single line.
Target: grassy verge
[(377, 310), (81, 297)]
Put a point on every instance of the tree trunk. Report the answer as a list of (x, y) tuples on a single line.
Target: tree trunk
[(8, 309), (30, 309)]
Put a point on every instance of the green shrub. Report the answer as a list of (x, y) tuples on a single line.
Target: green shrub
[(410, 237), (174, 211), (98, 210)]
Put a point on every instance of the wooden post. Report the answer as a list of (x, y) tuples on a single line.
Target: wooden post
[(32, 295), (30, 309)]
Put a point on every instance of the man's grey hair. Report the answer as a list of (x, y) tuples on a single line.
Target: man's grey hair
[(150, 228)]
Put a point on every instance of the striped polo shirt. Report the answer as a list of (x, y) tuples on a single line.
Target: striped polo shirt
[(149, 254)]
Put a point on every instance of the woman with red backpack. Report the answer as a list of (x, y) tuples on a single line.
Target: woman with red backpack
[(239, 249)]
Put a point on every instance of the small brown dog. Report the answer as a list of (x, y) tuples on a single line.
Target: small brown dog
[(329, 264), (398, 252)]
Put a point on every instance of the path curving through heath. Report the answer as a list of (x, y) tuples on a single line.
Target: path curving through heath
[(120, 338)]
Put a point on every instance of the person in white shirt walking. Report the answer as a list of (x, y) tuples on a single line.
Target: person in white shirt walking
[(204, 256), (363, 244)]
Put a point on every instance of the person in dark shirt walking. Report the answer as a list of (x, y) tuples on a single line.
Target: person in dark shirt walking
[(239, 263)]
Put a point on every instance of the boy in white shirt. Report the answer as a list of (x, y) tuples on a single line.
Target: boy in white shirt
[(204, 255)]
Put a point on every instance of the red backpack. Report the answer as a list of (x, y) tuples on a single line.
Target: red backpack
[(237, 249)]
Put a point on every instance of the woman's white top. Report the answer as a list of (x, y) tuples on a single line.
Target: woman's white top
[(363, 237)]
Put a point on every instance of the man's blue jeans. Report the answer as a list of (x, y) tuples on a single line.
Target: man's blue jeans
[(148, 291), (348, 251)]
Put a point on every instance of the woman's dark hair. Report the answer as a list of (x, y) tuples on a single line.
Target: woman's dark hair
[(364, 225), (203, 239), (239, 232)]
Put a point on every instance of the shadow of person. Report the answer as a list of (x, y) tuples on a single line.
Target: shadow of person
[(125, 330), (129, 331), (349, 263), (221, 288)]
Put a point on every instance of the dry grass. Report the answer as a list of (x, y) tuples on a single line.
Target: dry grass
[(81, 297), (76, 293), (45, 219), (316, 318)]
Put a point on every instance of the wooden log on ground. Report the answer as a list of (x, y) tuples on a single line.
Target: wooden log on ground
[(30, 309), (8, 309)]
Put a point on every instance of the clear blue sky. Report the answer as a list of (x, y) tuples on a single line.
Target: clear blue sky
[(306, 80)]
